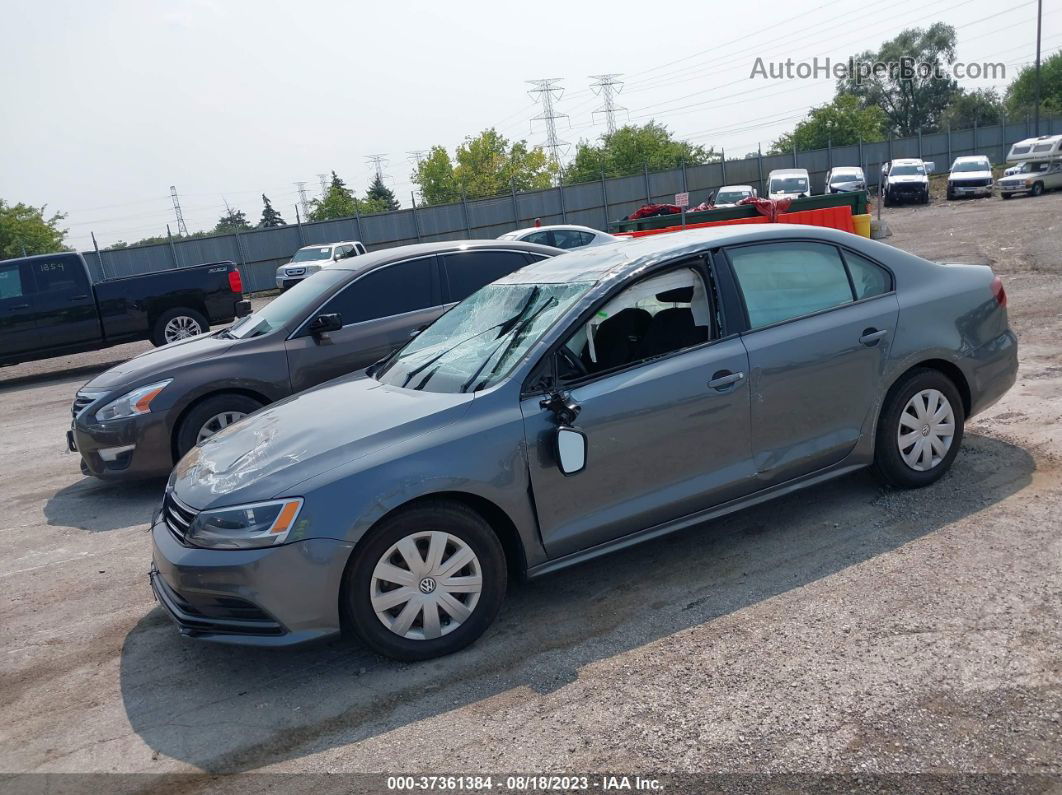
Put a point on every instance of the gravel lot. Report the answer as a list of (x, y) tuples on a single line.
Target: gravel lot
[(846, 629)]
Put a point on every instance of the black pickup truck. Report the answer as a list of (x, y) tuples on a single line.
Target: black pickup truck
[(49, 305)]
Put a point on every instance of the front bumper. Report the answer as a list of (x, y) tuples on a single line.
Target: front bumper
[(123, 449), (276, 596), (908, 190), (288, 282), (970, 190)]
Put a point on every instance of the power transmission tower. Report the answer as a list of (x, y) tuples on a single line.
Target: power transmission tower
[(416, 157), (548, 92), (607, 86), (182, 230), (378, 162), (303, 200), (324, 184)]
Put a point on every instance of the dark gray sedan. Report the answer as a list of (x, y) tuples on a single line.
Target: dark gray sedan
[(136, 419), (585, 403)]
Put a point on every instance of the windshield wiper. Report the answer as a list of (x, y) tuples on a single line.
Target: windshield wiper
[(517, 336)]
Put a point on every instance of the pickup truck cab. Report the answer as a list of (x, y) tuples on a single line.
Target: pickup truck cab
[(310, 259), (788, 183), (970, 176), (50, 307), (905, 179)]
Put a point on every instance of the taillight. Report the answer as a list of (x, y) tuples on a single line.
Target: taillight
[(236, 282), (999, 292)]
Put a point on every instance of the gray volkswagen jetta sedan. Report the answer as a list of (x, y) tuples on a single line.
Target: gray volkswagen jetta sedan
[(582, 404)]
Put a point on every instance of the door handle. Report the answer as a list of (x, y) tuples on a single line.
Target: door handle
[(872, 335), (724, 378)]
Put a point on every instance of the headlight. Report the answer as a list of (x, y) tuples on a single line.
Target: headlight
[(132, 403), (261, 524)]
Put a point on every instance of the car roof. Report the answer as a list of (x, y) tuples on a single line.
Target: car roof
[(551, 227), (618, 260), (781, 172), (847, 168), (907, 161), (970, 158), (337, 243), (386, 256), (736, 187)]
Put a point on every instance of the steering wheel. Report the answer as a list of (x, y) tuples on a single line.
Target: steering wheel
[(572, 360)]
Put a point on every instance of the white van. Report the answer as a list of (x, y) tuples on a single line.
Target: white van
[(788, 183)]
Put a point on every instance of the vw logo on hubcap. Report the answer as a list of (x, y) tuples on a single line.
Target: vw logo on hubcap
[(925, 430), (427, 585)]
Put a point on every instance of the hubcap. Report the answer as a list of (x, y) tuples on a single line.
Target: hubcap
[(217, 422), (927, 428), (426, 585), (181, 327)]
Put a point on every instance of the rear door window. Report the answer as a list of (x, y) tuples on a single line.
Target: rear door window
[(467, 271), (868, 278), (781, 281), (391, 290), (542, 238), (11, 282), (570, 238)]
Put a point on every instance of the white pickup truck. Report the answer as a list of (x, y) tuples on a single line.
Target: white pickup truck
[(905, 179)]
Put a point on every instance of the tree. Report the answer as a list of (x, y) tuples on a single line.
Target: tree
[(434, 176), (840, 123), (25, 230), (270, 217), (232, 221), (486, 165), (380, 195), (629, 150), (1021, 94), (914, 98), (974, 108), (338, 202)]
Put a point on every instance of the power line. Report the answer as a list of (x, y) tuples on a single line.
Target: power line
[(606, 86), (548, 92), (181, 228)]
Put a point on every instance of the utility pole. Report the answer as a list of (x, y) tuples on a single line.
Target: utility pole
[(303, 200), (1039, 21), (182, 230), (378, 163), (606, 87), (547, 92)]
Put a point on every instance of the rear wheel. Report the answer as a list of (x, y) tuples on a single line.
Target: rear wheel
[(919, 430), (428, 581), (210, 416), (178, 324)]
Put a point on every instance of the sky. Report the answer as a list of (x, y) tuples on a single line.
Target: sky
[(105, 105)]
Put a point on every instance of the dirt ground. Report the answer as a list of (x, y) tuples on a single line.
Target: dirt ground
[(845, 629)]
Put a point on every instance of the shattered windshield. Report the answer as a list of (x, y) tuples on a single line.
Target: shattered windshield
[(477, 343)]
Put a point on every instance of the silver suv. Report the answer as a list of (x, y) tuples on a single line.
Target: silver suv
[(310, 259)]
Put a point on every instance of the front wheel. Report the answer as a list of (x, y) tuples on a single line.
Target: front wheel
[(919, 430), (1005, 195), (210, 416), (178, 324), (428, 581), (1037, 188)]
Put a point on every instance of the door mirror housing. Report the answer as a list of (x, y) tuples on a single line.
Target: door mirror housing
[(322, 324), (930, 166), (571, 450), (243, 308)]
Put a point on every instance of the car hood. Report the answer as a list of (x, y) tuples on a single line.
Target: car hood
[(158, 362), (270, 453)]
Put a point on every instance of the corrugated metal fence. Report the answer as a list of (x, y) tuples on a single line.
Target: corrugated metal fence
[(593, 204)]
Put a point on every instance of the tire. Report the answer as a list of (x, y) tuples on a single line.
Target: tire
[(890, 459), (951, 195), (1005, 195), (172, 321), (1037, 189), (886, 199), (194, 424), (463, 531), (925, 197)]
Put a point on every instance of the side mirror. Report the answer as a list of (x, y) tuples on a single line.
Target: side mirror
[(930, 166), (322, 324), (243, 308), (571, 450)]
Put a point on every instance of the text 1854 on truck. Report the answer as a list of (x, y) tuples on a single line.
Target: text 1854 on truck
[(49, 306)]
